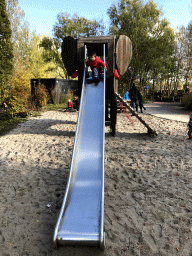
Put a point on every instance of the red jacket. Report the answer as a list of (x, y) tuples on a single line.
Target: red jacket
[(96, 63), (69, 104)]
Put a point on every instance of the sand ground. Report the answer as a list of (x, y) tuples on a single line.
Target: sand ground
[(148, 192)]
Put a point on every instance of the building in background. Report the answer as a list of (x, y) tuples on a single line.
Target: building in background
[(55, 87)]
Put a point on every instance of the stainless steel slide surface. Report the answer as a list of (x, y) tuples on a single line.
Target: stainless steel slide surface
[(82, 213)]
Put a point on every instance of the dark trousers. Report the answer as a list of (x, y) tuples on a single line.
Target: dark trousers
[(135, 104), (141, 105), (95, 73)]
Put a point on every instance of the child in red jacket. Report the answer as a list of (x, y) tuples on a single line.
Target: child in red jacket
[(70, 104), (94, 63)]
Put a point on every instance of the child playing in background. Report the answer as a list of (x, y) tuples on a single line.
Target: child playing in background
[(190, 126), (69, 104), (94, 62)]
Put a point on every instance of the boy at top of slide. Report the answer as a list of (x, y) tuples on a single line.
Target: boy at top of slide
[(94, 62)]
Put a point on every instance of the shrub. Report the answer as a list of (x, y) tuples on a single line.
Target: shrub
[(55, 93), (14, 101), (17, 102), (16, 91), (186, 101), (63, 98), (70, 95), (41, 96)]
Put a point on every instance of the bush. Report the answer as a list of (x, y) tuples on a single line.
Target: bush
[(14, 101), (55, 93), (186, 101), (41, 96), (17, 102), (16, 91), (65, 97), (70, 95)]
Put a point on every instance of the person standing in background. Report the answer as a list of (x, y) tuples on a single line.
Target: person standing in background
[(134, 96), (126, 95)]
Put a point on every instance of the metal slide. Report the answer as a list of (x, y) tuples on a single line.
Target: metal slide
[(81, 219)]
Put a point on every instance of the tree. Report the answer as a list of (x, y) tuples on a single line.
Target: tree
[(20, 28), (67, 26), (152, 38), (52, 55), (188, 51), (76, 26), (21, 35), (184, 51), (6, 48), (16, 16), (39, 67)]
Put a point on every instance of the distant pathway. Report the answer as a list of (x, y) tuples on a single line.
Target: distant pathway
[(168, 110)]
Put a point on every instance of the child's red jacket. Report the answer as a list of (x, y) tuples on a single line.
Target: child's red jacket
[(96, 63), (69, 104)]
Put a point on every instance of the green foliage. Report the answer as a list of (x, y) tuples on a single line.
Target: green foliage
[(17, 90), (26, 44), (55, 93), (66, 25), (76, 26), (186, 101), (17, 102), (16, 17), (152, 38), (65, 97), (41, 96), (21, 77), (185, 40), (39, 67), (55, 106), (6, 48), (8, 123), (21, 35), (52, 54), (70, 95)]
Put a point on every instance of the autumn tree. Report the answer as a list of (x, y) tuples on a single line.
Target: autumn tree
[(76, 26), (52, 55), (152, 38), (39, 67), (188, 62), (184, 52), (20, 29), (66, 25), (6, 49)]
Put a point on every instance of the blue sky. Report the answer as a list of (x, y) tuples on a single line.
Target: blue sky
[(41, 14)]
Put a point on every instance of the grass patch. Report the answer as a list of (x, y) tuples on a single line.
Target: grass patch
[(50, 107), (7, 122)]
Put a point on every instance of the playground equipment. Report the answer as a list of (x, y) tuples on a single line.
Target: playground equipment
[(118, 52), (81, 219), (150, 130)]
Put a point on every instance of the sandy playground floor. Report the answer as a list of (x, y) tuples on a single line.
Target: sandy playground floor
[(148, 192)]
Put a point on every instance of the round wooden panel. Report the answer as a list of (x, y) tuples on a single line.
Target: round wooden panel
[(69, 54), (123, 53)]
